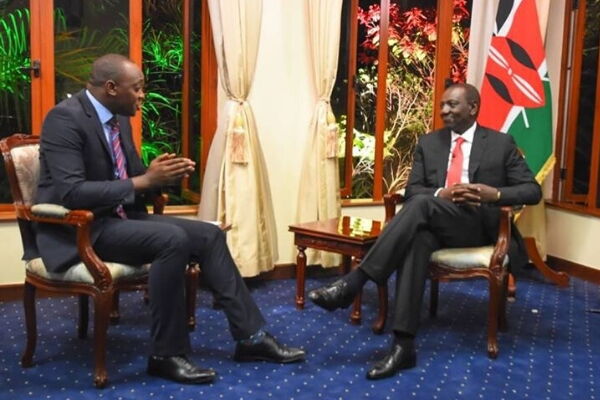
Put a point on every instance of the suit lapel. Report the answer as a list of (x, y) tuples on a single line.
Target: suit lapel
[(477, 150), (442, 156), (96, 125)]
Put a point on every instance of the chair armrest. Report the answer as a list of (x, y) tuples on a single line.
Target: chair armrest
[(390, 201), (82, 221), (160, 201), (503, 241)]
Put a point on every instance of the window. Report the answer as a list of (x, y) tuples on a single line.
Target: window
[(401, 43), (170, 38), (578, 143)]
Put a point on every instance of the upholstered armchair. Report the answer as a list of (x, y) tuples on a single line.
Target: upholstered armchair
[(489, 262), (92, 277)]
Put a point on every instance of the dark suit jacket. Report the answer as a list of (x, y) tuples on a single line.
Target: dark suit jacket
[(76, 171), (494, 161)]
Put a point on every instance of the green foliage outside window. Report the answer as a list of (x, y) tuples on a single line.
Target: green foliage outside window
[(409, 87)]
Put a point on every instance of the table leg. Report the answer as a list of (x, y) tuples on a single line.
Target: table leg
[(346, 264), (300, 271), (355, 316)]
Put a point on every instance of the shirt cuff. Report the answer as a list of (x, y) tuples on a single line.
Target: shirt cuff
[(437, 192)]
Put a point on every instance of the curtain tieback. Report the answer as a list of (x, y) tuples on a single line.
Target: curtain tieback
[(237, 140)]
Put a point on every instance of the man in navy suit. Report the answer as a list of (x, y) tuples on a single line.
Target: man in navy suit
[(459, 177), (88, 160)]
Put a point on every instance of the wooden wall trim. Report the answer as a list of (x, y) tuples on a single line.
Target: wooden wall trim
[(575, 270)]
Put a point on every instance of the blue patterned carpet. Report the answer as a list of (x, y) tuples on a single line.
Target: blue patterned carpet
[(551, 351)]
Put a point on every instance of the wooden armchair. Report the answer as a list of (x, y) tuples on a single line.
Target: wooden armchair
[(489, 262), (91, 277)]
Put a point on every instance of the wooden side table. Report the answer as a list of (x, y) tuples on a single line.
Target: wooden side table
[(350, 236)]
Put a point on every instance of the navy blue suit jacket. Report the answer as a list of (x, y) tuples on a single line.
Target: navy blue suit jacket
[(77, 172)]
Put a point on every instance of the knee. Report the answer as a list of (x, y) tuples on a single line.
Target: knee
[(176, 239), (214, 234), (420, 201)]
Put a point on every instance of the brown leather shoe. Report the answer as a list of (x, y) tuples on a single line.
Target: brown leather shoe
[(179, 369), (268, 349)]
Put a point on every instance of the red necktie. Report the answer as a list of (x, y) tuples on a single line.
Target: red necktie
[(119, 157), (456, 164)]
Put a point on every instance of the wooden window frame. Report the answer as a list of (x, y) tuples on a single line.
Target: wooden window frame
[(566, 135), (43, 88), (443, 63)]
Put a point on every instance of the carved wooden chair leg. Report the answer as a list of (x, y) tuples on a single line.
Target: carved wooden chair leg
[(115, 315), (102, 302), (492, 344), (83, 316), (502, 321), (433, 302), (512, 288), (191, 288), (30, 323)]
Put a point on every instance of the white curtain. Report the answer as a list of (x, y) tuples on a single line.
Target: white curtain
[(319, 192), (235, 188), (532, 222)]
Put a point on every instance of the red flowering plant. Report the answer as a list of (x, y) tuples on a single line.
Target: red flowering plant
[(409, 95)]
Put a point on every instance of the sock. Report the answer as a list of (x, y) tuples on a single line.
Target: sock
[(404, 338), (254, 339), (356, 279)]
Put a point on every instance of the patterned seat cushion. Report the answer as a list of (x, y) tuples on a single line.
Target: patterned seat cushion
[(79, 273), (466, 257), (27, 168)]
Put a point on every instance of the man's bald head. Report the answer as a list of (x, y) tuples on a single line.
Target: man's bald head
[(117, 83), (107, 67)]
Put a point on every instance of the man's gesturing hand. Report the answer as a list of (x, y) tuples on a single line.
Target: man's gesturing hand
[(163, 170)]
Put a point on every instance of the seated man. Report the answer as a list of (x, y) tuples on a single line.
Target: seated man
[(88, 160), (460, 175)]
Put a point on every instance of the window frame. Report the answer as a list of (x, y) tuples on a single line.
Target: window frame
[(43, 90), (443, 63), (566, 133)]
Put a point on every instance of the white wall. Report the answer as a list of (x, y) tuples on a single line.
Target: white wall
[(11, 267)]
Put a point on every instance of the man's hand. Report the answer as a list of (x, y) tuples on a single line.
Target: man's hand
[(470, 193), (163, 170)]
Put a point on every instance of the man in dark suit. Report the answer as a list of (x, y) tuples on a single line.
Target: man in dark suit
[(88, 160), (459, 177)]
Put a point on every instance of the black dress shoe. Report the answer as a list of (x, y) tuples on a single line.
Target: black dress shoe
[(179, 369), (399, 357), (267, 349), (335, 295)]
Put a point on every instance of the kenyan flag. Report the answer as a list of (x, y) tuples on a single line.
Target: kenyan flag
[(515, 93)]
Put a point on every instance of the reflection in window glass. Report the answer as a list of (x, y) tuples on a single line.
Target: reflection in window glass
[(162, 59), (83, 31)]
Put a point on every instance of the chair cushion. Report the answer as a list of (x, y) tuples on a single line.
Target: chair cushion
[(79, 273), (465, 257), (27, 167)]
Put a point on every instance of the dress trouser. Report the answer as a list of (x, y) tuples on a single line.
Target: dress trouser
[(170, 243), (424, 224)]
